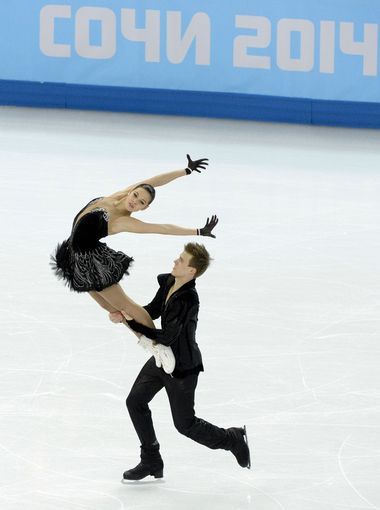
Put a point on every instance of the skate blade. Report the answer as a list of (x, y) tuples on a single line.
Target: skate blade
[(143, 481), (246, 442)]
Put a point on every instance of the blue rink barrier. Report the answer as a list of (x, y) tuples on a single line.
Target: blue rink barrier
[(190, 103)]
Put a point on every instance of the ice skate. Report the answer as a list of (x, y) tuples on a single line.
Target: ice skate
[(151, 464), (240, 448), (163, 355)]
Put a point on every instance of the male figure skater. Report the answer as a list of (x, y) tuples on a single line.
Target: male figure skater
[(177, 303)]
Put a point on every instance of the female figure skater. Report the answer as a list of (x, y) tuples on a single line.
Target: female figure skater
[(88, 265)]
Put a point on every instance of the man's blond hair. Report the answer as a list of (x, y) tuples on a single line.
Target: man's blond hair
[(200, 257)]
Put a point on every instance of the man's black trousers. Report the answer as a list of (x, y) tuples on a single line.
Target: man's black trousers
[(181, 397)]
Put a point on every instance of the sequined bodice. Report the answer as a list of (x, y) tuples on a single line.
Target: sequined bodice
[(91, 227)]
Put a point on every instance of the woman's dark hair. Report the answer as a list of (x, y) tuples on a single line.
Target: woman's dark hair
[(149, 189)]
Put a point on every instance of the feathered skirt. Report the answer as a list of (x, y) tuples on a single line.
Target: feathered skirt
[(93, 269)]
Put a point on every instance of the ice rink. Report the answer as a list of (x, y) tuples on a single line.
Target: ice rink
[(289, 326)]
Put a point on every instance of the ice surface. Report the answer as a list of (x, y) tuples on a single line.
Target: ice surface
[(289, 324)]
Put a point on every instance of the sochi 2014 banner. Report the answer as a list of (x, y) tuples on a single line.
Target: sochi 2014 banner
[(326, 49)]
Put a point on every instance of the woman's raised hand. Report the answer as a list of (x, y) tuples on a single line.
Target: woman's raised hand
[(210, 225), (195, 165)]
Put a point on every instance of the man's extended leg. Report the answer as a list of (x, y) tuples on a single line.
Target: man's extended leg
[(181, 396), (148, 383)]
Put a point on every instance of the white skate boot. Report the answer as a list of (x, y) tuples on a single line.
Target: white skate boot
[(163, 355)]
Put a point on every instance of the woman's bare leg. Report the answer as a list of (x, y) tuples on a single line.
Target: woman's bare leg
[(119, 301), (102, 302), (114, 297)]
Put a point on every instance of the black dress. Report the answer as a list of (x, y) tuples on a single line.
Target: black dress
[(82, 261)]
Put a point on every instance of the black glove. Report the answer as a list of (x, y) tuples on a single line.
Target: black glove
[(210, 225), (133, 324), (140, 328), (195, 165)]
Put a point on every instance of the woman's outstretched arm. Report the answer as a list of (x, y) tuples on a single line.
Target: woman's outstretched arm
[(162, 179), (129, 224), (165, 178)]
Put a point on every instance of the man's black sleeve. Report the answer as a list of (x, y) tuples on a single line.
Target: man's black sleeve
[(176, 321), (154, 307)]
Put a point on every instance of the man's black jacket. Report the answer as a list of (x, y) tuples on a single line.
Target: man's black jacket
[(179, 317)]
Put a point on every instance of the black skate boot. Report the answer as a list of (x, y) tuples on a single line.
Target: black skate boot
[(239, 446), (151, 464)]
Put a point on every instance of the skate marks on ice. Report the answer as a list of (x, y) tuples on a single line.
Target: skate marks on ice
[(289, 322)]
